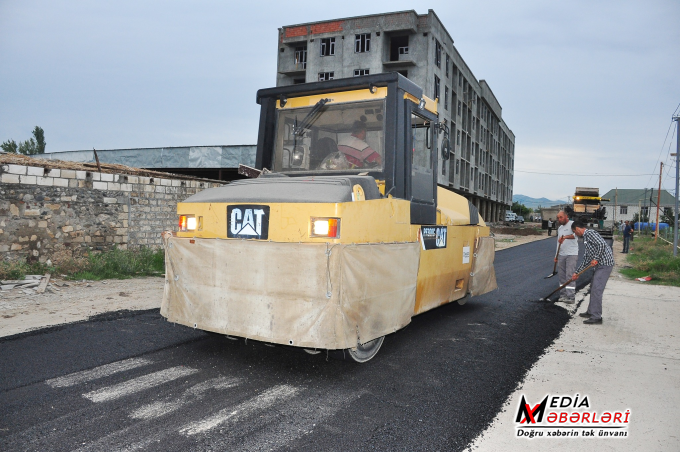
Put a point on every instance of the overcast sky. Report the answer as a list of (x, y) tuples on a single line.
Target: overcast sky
[(586, 86)]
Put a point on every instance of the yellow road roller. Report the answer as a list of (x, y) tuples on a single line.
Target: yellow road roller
[(341, 236)]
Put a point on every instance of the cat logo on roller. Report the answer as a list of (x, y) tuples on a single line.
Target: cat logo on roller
[(433, 237), (248, 222)]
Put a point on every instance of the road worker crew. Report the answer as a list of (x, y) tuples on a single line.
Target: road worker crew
[(357, 152)]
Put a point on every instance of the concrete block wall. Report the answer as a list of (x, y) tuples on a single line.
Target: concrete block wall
[(47, 211)]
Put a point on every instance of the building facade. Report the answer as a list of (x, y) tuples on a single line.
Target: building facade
[(419, 47)]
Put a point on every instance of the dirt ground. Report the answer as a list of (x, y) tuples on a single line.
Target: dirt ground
[(71, 301), (509, 236)]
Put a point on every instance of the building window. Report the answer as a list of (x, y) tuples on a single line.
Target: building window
[(438, 54), (460, 79), (460, 106), (297, 81), (404, 73), (327, 47), (436, 87), (457, 166), (448, 61), (457, 139), (360, 72), (301, 57), (362, 43), (325, 76), (446, 97), (645, 211), (623, 210), (399, 48)]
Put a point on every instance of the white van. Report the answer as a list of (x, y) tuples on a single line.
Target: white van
[(510, 216)]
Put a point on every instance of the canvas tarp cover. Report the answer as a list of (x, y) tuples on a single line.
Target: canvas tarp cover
[(310, 295), (483, 277)]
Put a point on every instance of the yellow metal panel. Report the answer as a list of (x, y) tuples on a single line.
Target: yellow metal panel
[(454, 208), (440, 269), (430, 105), (373, 221), (340, 96)]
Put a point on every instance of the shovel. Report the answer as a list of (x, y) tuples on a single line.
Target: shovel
[(554, 266), (566, 283)]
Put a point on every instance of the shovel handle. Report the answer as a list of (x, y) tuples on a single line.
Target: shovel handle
[(567, 283), (559, 245)]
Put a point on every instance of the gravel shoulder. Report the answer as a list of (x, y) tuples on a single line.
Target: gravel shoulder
[(72, 301), (505, 238)]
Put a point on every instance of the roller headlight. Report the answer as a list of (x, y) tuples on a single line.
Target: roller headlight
[(325, 227), (187, 223)]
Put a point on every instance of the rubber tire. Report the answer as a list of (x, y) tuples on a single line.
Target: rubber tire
[(363, 352)]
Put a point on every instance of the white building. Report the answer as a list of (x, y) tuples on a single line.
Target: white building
[(624, 203)]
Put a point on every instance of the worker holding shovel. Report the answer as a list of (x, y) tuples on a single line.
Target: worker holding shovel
[(566, 257), (598, 255)]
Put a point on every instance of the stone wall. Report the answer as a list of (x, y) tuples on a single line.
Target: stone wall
[(46, 211)]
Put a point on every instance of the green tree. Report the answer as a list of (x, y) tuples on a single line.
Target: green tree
[(636, 218), (32, 146), (28, 147), (39, 135), (520, 209), (10, 146)]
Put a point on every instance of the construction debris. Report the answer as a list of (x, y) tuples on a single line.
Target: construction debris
[(43, 283)]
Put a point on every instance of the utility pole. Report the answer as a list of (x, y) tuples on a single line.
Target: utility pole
[(658, 201), (616, 202), (639, 216), (677, 184), (644, 206)]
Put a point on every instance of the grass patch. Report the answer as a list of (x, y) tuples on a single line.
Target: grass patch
[(17, 270), (653, 259), (113, 264)]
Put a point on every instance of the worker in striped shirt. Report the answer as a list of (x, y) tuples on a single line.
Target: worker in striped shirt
[(599, 255)]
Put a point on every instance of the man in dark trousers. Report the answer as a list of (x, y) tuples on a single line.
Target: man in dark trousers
[(627, 232), (598, 254), (550, 226)]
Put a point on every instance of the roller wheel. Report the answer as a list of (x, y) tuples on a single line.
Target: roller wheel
[(360, 354)]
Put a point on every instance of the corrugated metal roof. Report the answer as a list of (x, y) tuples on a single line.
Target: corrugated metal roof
[(629, 196), (167, 157)]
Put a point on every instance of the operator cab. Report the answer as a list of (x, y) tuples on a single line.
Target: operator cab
[(377, 125)]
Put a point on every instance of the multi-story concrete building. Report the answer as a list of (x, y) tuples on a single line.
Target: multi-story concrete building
[(417, 46)]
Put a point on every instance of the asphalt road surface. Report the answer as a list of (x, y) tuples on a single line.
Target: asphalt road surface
[(132, 381)]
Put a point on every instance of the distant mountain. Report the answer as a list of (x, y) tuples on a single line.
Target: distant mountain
[(532, 203)]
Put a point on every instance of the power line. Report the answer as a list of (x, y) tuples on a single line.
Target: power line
[(664, 144), (592, 174)]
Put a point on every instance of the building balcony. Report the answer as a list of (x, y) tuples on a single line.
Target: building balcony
[(293, 69), (404, 61)]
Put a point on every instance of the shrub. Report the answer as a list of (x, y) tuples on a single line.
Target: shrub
[(116, 263)]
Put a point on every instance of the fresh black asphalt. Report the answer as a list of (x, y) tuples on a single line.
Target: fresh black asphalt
[(434, 385)]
